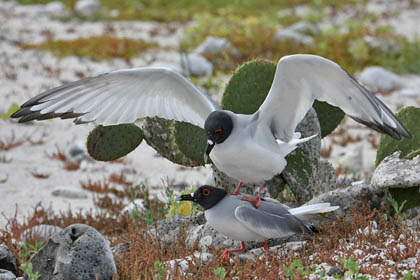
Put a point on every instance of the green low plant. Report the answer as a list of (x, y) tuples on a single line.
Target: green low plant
[(220, 272), (30, 249), (160, 269), (353, 269), (398, 209), (27, 269), (12, 108)]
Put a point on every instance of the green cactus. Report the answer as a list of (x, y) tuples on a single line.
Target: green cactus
[(106, 143), (179, 142), (329, 116), (410, 118), (248, 87)]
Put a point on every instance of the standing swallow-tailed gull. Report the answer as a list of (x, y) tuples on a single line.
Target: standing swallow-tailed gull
[(250, 148), (238, 220)]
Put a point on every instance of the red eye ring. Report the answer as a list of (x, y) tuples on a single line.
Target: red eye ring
[(218, 130), (206, 192)]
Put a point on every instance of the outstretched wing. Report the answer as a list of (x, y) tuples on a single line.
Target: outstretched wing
[(302, 78), (268, 224), (122, 97)]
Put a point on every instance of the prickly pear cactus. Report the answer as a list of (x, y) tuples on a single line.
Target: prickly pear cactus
[(410, 118), (248, 87), (179, 142), (329, 116), (106, 143)]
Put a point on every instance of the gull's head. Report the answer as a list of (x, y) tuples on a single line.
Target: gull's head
[(206, 196), (218, 127)]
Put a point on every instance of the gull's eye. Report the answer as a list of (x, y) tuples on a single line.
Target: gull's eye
[(218, 130), (206, 192)]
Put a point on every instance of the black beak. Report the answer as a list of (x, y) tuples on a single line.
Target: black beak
[(209, 147), (183, 197)]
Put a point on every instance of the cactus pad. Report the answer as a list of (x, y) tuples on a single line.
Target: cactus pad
[(410, 118), (179, 142), (106, 143)]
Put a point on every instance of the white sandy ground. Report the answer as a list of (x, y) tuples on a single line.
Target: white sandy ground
[(25, 73)]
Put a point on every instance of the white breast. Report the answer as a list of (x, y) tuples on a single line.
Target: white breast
[(249, 156)]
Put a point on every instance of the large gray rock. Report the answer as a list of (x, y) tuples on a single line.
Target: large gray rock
[(401, 177), (87, 7), (396, 172), (194, 64), (170, 229), (6, 275), (213, 45), (379, 79), (7, 259), (358, 194), (78, 252), (286, 34)]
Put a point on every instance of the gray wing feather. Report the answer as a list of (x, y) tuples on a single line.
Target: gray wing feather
[(267, 224), (300, 79), (122, 97)]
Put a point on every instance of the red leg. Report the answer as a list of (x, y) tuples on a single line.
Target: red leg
[(266, 248), (236, 192), (226, 254), (255, 201)]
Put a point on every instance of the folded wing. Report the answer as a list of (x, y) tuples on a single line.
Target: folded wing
[(122, 97), (300, 79), (268, 224)]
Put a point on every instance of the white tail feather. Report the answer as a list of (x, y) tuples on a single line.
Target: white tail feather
[(313, 209), (288, 147)]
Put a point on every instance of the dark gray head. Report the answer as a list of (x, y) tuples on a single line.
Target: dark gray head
[(206, 196), (218, 127)]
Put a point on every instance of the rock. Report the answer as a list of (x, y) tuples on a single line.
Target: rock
[(286, 34), (207, 237), (213, 45), (169, 229), (379, 79), (121, 248), (279, 249), (6, 275), (77, 152), (396, 172), (195, 65), (335, 270), (77, 252), (55, 8), (358, 194), (303, 27), (70, 192), (401, 177), (7, 260), (184, 263), (87, 7), (132, 206), (41, 232), (352, 160), (410, 92)]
